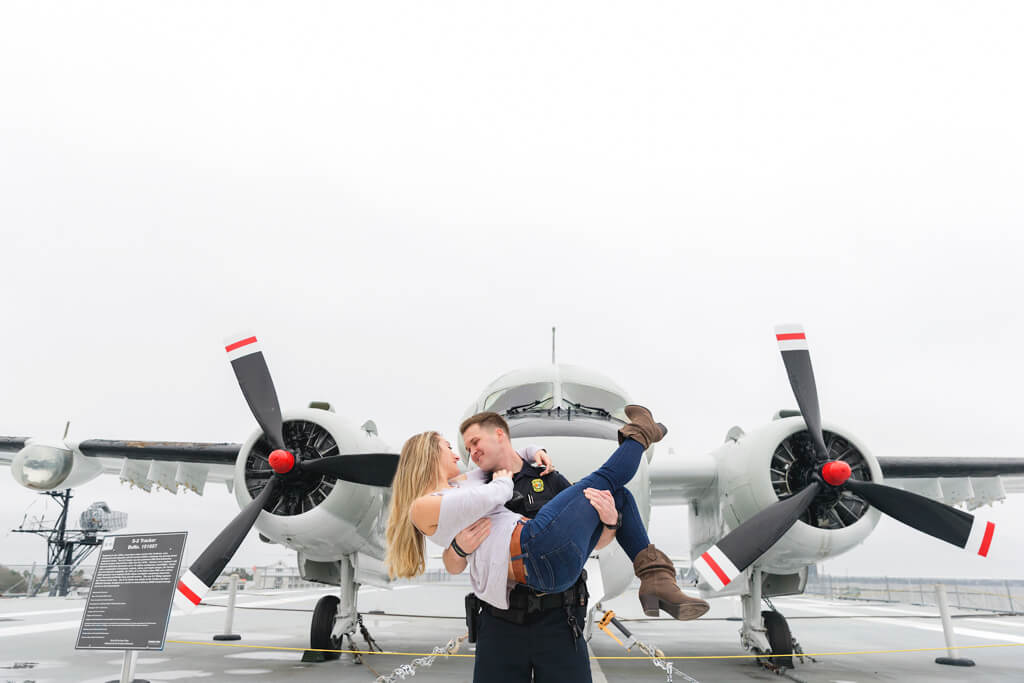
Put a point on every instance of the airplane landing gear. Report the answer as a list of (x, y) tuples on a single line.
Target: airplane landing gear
[(336, 620), (752, 634), (767, 632)]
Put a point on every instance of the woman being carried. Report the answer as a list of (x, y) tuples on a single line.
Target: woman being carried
[(546, 553)]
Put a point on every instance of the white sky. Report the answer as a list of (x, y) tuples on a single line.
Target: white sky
[(403, 198)]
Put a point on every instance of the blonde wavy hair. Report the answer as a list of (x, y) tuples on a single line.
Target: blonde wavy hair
[(416, 475)]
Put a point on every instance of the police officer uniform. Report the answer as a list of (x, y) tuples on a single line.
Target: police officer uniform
[(540, 633)]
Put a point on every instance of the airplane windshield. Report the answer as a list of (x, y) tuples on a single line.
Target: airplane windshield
[(536, 396), (591, 399)]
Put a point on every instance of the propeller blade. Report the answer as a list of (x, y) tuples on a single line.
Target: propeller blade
[(725, 560), (195, 582), (797, 357), (945, 523), (372, 469), (258, 388)]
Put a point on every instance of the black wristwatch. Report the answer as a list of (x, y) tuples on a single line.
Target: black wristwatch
[(462, 553), (616, 526)]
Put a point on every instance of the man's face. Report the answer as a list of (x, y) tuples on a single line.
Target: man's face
[(483, 445)]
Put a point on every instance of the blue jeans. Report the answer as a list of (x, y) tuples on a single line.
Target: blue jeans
[(557, 543)]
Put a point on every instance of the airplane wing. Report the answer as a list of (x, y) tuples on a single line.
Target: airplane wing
[(164, 451), (972, 481), (168, 464), (9, 446)]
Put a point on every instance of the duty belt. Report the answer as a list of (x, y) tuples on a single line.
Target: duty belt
[(523, 601)]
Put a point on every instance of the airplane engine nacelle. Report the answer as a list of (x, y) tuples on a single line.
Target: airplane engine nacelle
[(760, 468), (40, 466), (320, 516)]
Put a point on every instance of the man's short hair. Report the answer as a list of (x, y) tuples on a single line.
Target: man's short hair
[(488, 419)]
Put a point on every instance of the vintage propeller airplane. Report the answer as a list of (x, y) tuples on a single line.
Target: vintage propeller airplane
[(763, 507)]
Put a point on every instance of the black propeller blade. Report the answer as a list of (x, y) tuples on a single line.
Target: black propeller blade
[(929, 516), (258, 388), (195, 583), (373, 469), (797, 357), (725, 560)]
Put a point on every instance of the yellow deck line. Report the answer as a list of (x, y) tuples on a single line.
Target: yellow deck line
[(641, 657)]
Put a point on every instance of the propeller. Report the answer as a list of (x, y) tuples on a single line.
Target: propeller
[(372, 469), (253, 375), (725, 560)]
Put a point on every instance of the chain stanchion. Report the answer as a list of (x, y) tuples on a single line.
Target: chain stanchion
[(409, 670), (656, 655)]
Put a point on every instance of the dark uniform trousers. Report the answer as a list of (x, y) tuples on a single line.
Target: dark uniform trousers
[(543, 644)]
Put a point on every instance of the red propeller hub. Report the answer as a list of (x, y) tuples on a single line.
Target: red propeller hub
[(282, 461), (836, 472)]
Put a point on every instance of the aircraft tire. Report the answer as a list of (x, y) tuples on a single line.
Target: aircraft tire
[(779, 638), (322, 625)]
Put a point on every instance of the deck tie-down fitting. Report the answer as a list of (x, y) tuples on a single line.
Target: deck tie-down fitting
[(656, 655)]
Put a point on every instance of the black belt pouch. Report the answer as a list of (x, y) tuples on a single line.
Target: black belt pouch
[(472, 615)]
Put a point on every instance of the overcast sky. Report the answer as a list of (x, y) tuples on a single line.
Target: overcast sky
[(403, 198)]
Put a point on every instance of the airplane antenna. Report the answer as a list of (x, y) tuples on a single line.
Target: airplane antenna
[(67, 428), (552, 345)]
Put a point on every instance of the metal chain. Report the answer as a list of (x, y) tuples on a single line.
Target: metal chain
[(409, 670), (657, 656), (799, 652), (370, 641)]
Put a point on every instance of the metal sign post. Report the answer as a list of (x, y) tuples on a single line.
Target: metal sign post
[(229, 616), (128, 668)]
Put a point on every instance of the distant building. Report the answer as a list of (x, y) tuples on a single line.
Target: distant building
[(223, 583), (278, 576)]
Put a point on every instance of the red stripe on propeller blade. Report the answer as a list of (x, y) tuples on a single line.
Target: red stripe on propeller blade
[(790, 336), (240, 344), (722, 576), (187, 592), (990, 529)]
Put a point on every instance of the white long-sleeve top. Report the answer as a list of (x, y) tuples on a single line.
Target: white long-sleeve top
[(471, 499)]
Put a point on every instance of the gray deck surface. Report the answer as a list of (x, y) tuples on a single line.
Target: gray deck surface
[(37, 636)]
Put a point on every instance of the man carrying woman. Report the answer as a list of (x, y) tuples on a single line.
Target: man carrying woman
[(432, 499)]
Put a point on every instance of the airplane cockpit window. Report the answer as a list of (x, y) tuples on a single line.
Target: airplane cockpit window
[(598, 402), (524, 397)]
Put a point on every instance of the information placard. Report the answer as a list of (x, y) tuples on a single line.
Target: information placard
[(132, 590)]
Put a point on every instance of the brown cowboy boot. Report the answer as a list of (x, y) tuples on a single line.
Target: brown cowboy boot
[(642, 427), (658, 587)]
